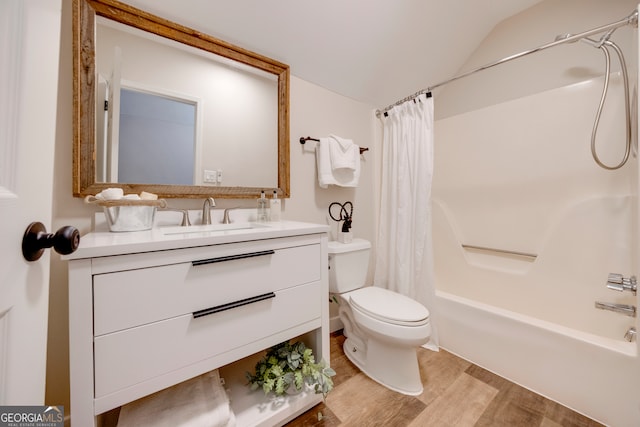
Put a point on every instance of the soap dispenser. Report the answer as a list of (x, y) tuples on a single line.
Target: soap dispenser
[(275, 208), (262, 208)]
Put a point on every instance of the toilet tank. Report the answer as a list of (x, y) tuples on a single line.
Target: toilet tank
[(348, 265)]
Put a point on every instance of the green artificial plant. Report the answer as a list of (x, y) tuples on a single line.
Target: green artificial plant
[(290, 365)]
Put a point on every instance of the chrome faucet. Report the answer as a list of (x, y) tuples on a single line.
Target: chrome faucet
[(226, 219), (619, 283), (627, 310), (206, 210), (631, 334)]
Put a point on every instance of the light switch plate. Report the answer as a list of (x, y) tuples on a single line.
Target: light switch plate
[(210, 176)]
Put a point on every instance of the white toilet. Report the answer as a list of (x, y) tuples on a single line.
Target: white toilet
[(382, 327)]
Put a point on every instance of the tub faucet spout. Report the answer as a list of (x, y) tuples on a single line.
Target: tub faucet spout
[(631, 334), (627, 310)]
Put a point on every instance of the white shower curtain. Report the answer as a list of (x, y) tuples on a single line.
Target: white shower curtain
[(404, 256)]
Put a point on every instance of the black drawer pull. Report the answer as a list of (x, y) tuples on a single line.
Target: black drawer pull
[(235, 304), (232, 257)]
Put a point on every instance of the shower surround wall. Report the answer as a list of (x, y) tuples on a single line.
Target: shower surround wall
[(519, 176), (513, 171)]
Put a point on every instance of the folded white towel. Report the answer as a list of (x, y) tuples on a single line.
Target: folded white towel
[(327, 176), (199, 402), (344, 153)]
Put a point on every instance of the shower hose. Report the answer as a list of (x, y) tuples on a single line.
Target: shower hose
[(603, 46)]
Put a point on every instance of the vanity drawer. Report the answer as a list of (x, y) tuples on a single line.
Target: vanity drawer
[(122, 299), (139, 354)]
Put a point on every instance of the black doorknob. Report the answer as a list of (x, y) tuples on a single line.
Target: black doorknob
[(36, 240)]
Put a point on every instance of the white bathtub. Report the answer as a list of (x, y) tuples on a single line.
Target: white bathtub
[(598, 377), (490, 309)]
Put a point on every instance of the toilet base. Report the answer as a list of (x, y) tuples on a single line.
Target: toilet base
[(392, 366)]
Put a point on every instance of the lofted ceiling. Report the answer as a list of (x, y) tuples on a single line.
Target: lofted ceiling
[(374, 51)]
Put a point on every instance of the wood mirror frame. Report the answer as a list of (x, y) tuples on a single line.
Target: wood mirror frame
[(84, 98)]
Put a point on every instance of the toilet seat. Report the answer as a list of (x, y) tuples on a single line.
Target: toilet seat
[(388, 306)]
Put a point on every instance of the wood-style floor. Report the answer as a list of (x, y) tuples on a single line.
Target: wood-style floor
[(456, 393)]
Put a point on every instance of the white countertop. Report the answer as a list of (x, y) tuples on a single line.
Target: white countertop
[(105, 243)]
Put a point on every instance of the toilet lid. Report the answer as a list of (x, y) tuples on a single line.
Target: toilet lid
[(389, 306)]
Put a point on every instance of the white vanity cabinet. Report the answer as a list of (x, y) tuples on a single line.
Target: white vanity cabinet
[(148, 311)]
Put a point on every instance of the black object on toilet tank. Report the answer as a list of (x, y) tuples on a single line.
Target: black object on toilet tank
[(346, 214)]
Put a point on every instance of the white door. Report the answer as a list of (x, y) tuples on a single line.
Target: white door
[(29, 51)]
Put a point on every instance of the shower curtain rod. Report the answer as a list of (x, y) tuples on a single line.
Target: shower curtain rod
[(632, 19)]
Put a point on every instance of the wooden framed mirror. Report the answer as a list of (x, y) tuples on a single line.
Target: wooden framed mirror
[(214, 173)]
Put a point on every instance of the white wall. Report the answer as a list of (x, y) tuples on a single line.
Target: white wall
[(315, 112)]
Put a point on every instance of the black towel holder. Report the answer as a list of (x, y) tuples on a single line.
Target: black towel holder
[(304, 139)]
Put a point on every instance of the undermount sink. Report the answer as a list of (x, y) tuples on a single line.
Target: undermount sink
[(207, 228)]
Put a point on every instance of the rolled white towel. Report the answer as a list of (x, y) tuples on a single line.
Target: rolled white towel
[(110, 194)]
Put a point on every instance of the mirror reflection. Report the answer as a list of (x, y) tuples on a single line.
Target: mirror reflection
[(175, 116), (162, 108)]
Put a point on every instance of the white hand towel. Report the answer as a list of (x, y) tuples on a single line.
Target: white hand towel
[(199, 402), (323, 160), (327, 176), (344, 153)]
